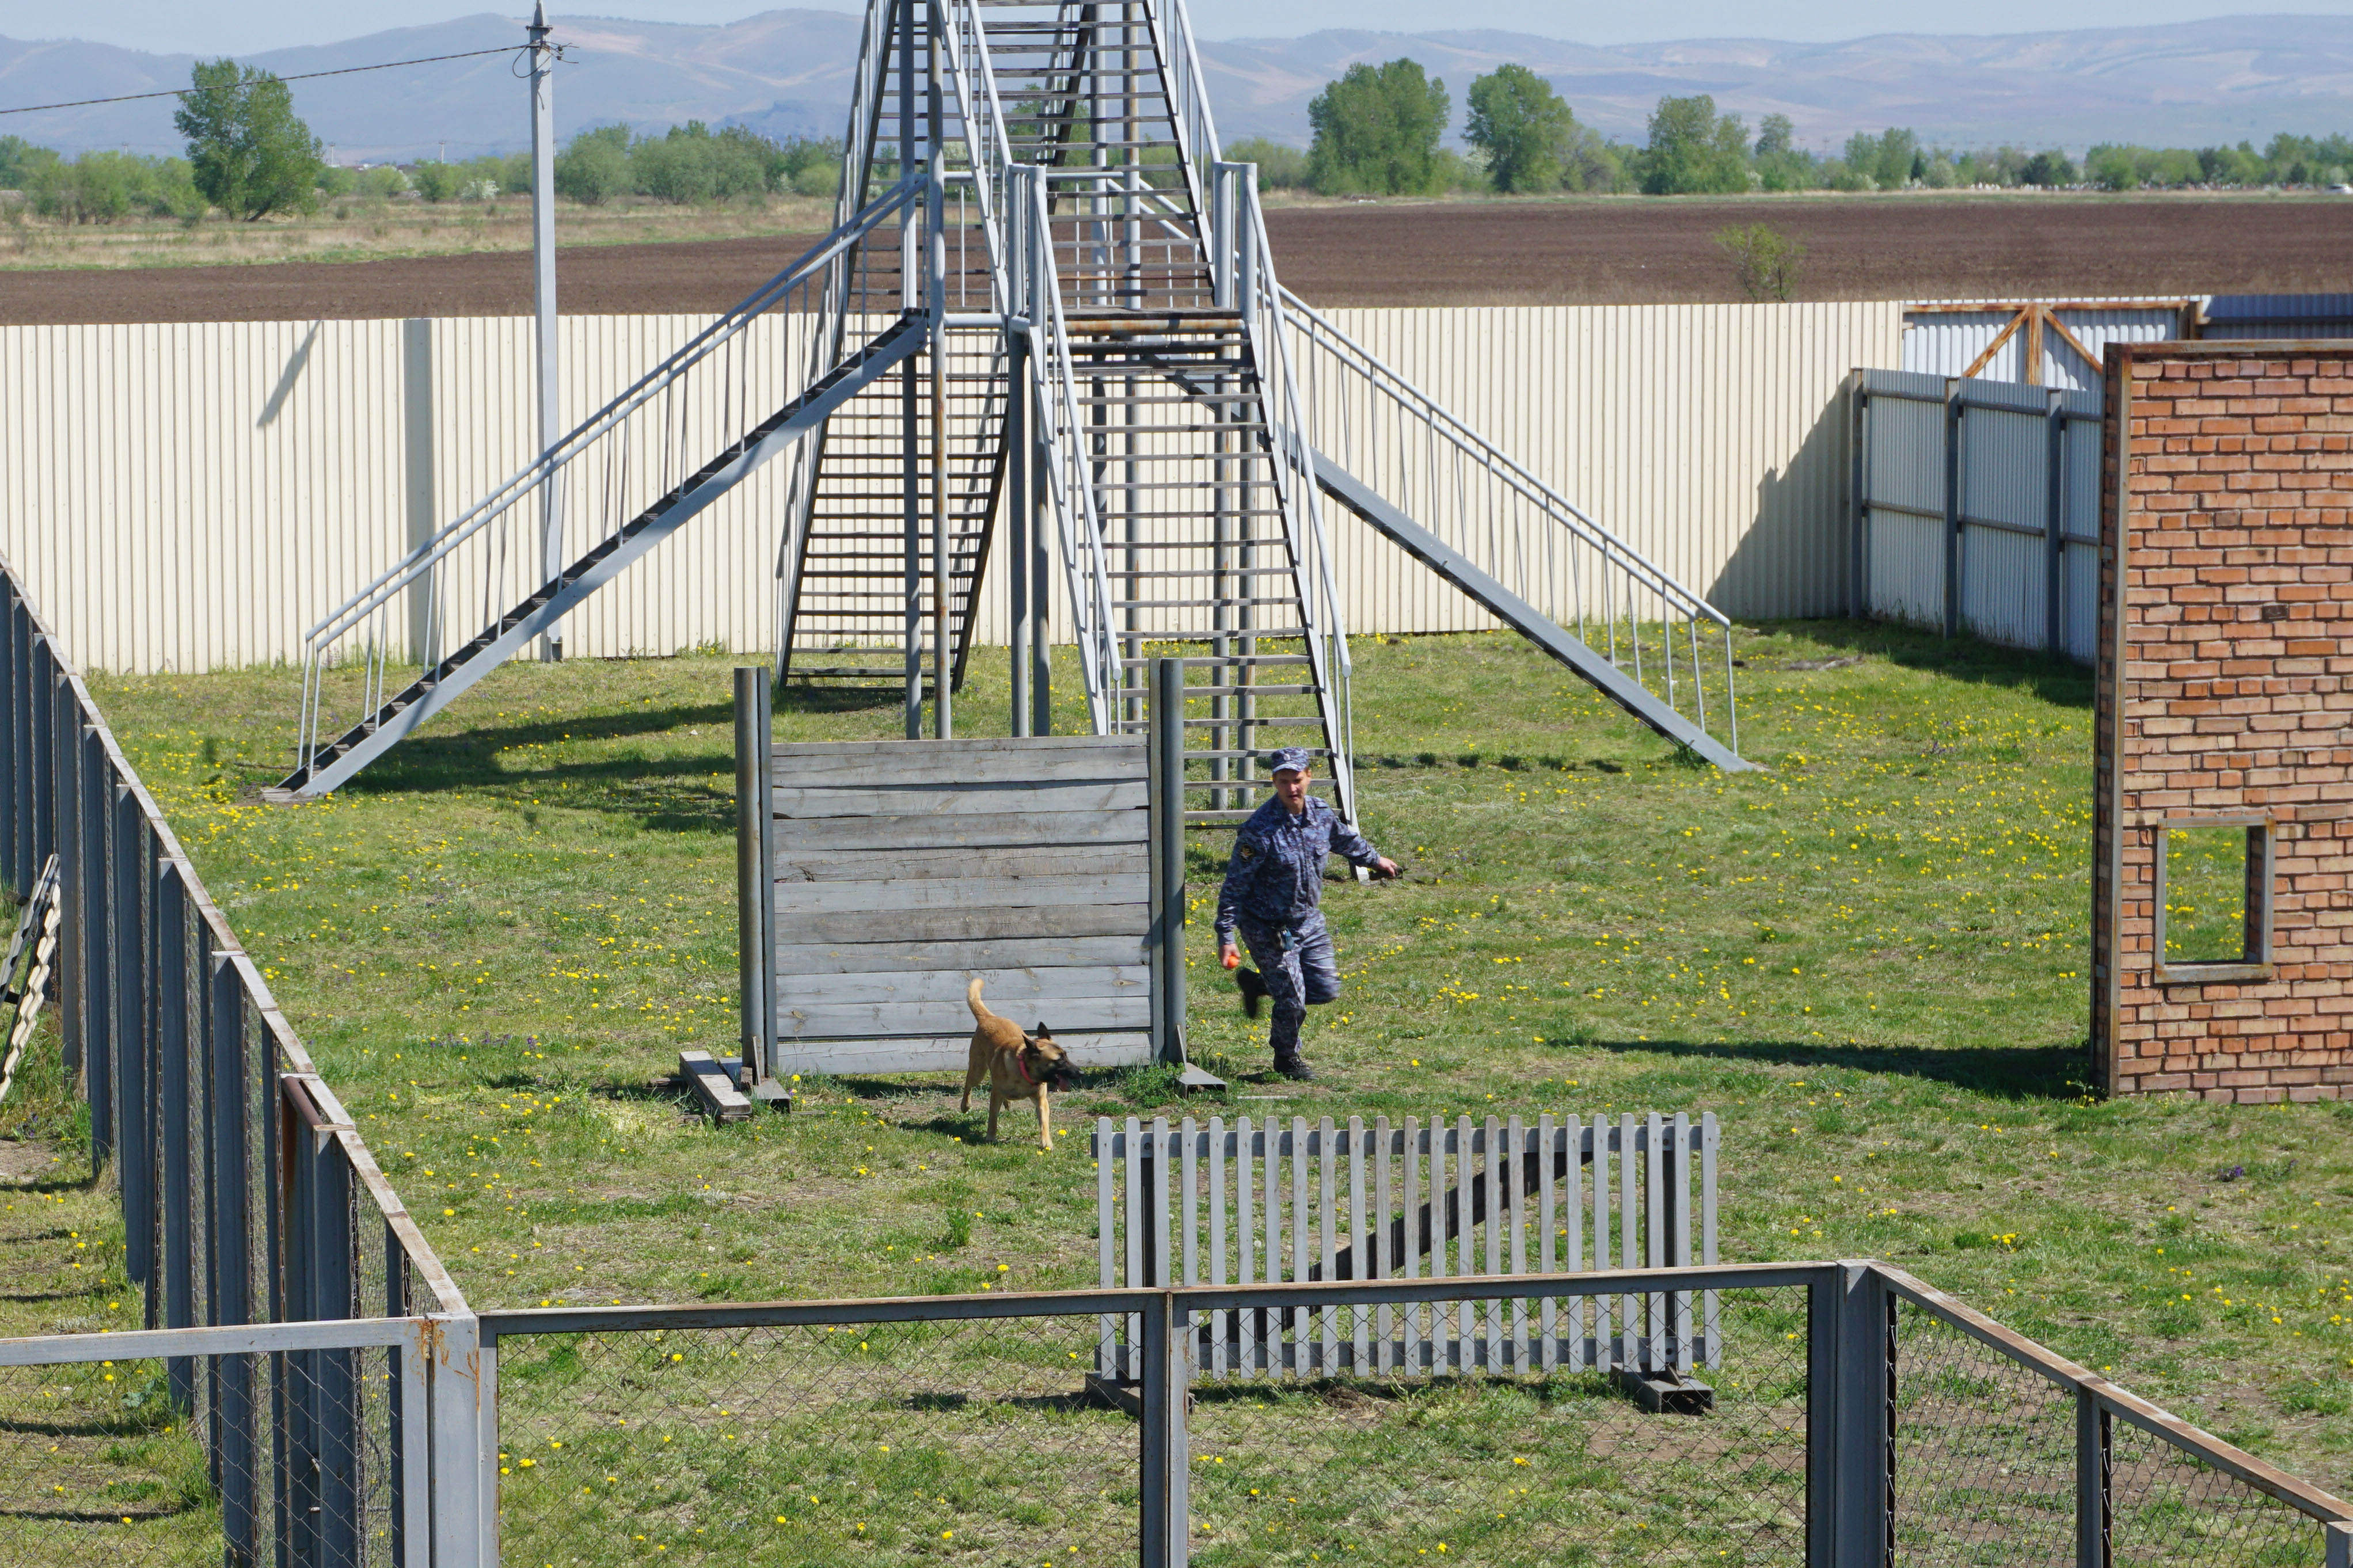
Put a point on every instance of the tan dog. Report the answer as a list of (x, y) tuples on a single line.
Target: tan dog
[(1018, 1065)]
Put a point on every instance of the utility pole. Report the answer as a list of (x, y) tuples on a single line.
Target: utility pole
[(542, 293)]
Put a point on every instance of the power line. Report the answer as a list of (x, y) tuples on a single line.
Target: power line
[(306, 75)]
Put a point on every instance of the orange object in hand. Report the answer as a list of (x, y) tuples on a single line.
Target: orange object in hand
[(1229, 957)]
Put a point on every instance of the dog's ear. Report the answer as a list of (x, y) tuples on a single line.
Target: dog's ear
[(1043, 1032)]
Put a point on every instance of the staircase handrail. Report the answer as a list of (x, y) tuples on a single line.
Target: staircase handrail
[(987, 143), (1321, 330), (1055, 380), (542, 468), (1295, 471), (1188, 95)]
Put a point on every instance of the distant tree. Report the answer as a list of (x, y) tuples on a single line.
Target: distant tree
[(1692, 152), (1764, 260), (1279, 167), (1781, 164), (1889, 160), (1376, 130), (1592, 162), (247, 153), (594, 166), (18, 160), (2050, 168), (439, 181), (1521, 124)]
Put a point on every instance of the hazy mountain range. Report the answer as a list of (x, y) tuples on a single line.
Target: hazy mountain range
[(789, 71)]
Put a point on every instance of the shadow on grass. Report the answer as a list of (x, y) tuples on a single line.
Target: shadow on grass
[(2000, 1072), (2056, 680)]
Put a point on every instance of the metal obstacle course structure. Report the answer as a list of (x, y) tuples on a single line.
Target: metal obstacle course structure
[(1045, 331)]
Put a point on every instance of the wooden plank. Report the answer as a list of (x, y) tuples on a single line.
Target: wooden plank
[(1245, 1242), (1325, 1206), (908, 894), (1409, 1255), (1192, 1174), (1006, 953), (981, 745), (1008, 992), (1384, 1267), (886, 831), (901, 863), (923, 764), (721, 1100), (1547, 1168), (962, 925), (1087, 1050), (1510, 1198), (1106, 1227), (1359, 1238), (857, 1020), (957, 800), (1707, 1143)]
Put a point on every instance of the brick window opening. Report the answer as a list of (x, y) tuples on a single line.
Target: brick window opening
[(2213, 899)]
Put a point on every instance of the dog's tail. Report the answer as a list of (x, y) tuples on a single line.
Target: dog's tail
[(972, 999)]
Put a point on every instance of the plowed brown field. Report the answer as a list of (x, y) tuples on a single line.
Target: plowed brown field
[(1610, 251)]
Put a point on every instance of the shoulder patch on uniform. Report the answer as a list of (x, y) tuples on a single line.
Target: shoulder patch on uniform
[(1244, 851)]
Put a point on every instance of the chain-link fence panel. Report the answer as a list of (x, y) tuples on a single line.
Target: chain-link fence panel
[(970, 1440), (103, 1464), (1541, 1468), (2168, 1506), (1983, 1452)]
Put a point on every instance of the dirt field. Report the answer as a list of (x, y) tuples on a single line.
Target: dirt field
[(1621, 250)]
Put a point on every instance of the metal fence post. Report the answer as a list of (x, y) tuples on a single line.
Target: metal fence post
[(1166, 746), (753, 879), (97, 934), (37, 834), (1166, 1513), (65, 790), (1850, 1419), (1953, 415), (2055, 523), (2094, 1472), (458, 1397), (174, 1088), (2341, 1545), (1858, 508), (13, 770), (134, 1161), (230, 1263)]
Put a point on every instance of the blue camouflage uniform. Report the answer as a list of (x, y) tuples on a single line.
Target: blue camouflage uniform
[(1273, 884)]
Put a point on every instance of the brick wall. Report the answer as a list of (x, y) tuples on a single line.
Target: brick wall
[(2223, 696)]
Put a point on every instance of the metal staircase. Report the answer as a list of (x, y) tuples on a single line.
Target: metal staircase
[(1093, 358)]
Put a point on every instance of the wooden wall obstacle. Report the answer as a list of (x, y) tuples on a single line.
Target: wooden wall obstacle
[(876, 878)]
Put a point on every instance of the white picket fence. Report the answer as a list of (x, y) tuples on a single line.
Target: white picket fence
[(1213, 1204)]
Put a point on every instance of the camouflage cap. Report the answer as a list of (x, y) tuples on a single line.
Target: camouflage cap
[(1292, 759)]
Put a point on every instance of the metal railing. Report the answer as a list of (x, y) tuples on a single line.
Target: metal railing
[(250, 1204), (1837, 1427), (638, 455), (1479, 501), (1242, 265)]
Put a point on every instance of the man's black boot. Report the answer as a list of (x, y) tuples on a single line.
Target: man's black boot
[(1253, 989), (1293, 1065)]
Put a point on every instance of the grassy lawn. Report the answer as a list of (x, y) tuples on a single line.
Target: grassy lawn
[(1869, 962)]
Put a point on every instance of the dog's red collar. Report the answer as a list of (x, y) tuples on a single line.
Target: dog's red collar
[(1021, 1066)]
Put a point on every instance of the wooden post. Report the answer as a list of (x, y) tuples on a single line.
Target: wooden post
[(755, 882)]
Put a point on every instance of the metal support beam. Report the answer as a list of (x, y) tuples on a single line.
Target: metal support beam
[(1164, 1510), (1165, 755), (2054, 525), (2095, 1468), (546, 340), (1849, 1420)]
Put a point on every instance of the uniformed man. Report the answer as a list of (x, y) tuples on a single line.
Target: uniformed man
[(1272, 887)]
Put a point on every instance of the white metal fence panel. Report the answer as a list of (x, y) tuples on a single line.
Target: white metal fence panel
[(1961, 518), (196, 495)]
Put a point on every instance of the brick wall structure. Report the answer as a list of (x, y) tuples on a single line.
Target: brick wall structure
[(2226, 595)]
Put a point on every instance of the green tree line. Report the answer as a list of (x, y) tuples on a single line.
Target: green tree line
[(250, 156), (1379, 130)]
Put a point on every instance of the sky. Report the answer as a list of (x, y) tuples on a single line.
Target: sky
[(215, 26)]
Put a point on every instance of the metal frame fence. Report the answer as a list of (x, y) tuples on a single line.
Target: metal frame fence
[(1890, 1415), (248, 1197), (1976, 508)]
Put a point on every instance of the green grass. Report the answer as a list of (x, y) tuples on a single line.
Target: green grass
[(1869, 962)]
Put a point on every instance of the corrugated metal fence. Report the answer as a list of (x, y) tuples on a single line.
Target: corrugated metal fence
[(1978, 507), (194, 496)]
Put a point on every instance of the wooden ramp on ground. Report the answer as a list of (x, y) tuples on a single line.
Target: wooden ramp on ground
[(897, 871)]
